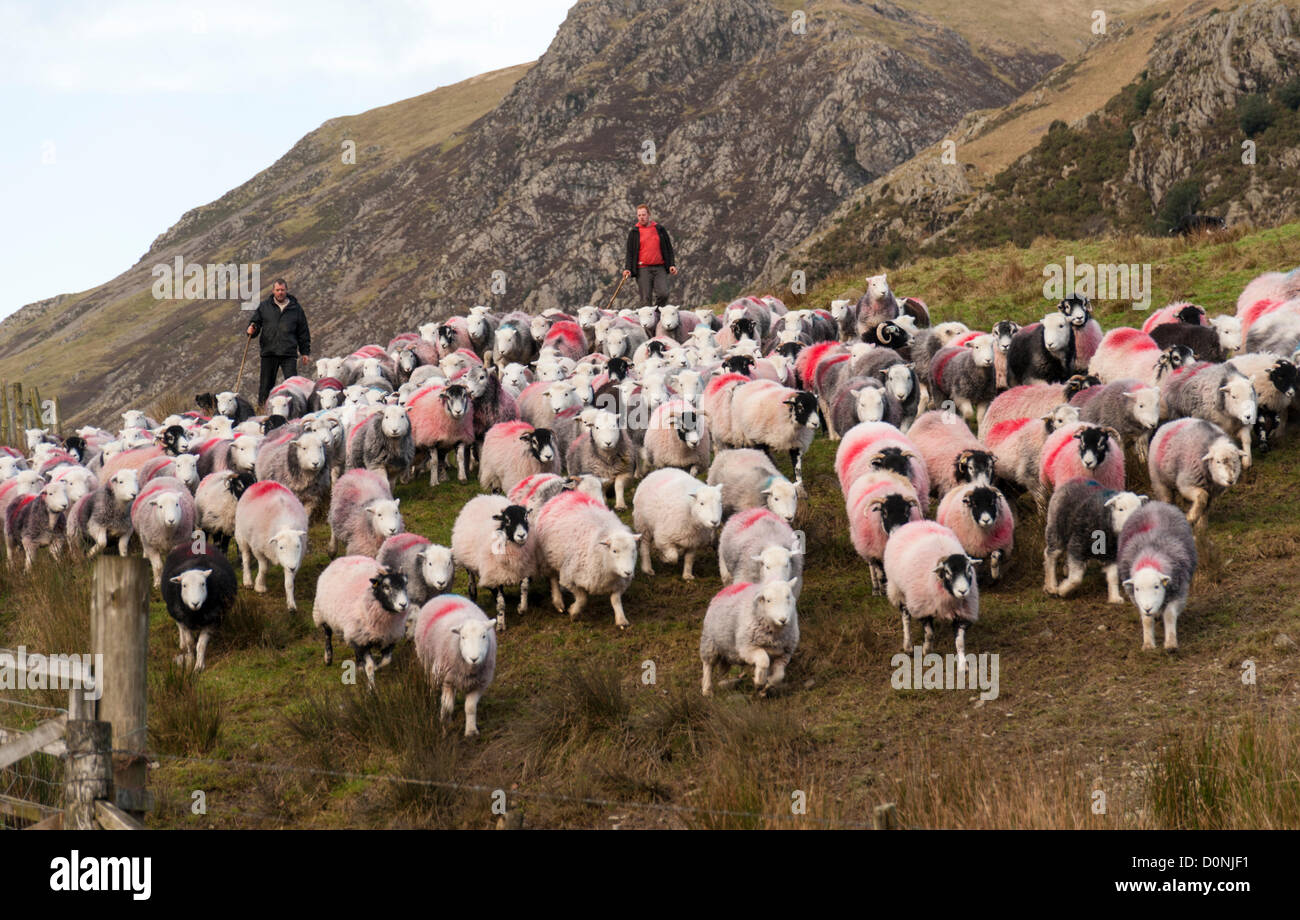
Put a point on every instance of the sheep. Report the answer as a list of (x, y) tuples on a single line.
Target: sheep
[(1195, 458), (535, 491), (750, 480), (1084, 521), (1017, 446), (457, 647), (271, 527), (1085, 330), (965, 374), (481, 325), (513, 451), (1042, 352), (716, 404), (382, 442), (751, 624), (540, 402), (1126, 352), (1129, 406), (876, 306), (1003, 332), (162, 515), (442, 420), (289, 398), (929, 576), (1157, 561), (677, 516), (1277, 331), (366, 604), (768, 415), (604, 450), (108, 513), (37, 520), (953, 456), (490, 541), (862, 399), (677, 436), (298, 461), (1218, 393), (1028, 401), (1176, 313), (363, 513), (234, 407), (877, 446), (877, 503), (198, 590), (927, 344), (586, 549), (429, 568), (493, 403), (1082, 450), (215, 501), (981, 518), (1275, 380)]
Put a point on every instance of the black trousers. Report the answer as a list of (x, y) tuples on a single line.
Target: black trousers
[(656, 277), (271, 365)]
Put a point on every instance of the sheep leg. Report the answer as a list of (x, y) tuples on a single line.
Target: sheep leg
[(369, 658), (288, 590), (1162, 490), (1172, 609), (557, 596), (262, 565), (1074, 571), (722, 566), (620, 618), (1244, 437), (706, 681), (646, 567), (332, 548), (124, 544), (761, 663), (523, 597), (245, 558), (1050, 558), (462, 463), (155, 563), (928, 644), (777, 672), (448, 704), (620, 489), (1114, 595), (579, 602), (1196, 514), (959, 642), (1148, 631), (473, 584), (501, 608), (184, 638), (471, 713), (689, 565), (205, 636), (796, 460), (329, 643), (907, 628), (877, 578)]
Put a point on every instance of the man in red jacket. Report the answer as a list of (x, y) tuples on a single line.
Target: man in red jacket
[(650, 255)]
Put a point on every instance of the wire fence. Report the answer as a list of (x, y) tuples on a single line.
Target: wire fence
[(31, 789)]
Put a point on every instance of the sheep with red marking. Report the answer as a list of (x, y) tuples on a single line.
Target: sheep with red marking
[(862, 399), (162, 516), (297, 460), (677, 516), (1264, 295), (366, 605), (716, 403), (1157, 561), (878, 446), (1218, 393), (535, 491), (1126, 352), (1082, 450), (1275, 380), (604, 450), (363, 513), (766, 414), (442, 420), (1128, 405), (1029, 401), (37, 520), (381, 442), (953, 456), (1017, 446), (677, 437), (457, 649), (930, 578), (1195, 459), (513, 451), (491, 541), (271, 527), (878, 305), (584, 548), (429, 568), (751, 624), (215, 501), (981, 518), (877, 503), (965, 374), (757, 546)]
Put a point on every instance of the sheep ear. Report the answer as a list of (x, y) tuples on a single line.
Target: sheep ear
[(1164, 581), (636, 537), (1127, 582), (175, 579), (1207, 458), (1142, 499), (974, 561), (456, 629), (206, 573), (756, 558)]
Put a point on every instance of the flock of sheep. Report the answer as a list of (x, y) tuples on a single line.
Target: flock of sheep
[(558, 412)]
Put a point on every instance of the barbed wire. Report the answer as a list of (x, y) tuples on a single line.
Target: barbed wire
[(515, 793), (13, 702)]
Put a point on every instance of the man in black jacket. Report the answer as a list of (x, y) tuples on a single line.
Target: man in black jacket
[(650, 255), (286, 334)]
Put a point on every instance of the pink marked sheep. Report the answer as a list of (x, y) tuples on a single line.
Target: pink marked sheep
[(716, 405), (953, 455), (981, 518), (428, 567), (271, 527), (878, 446), (678, 436), (1195, 459), (1157, 561), (491, 541), (877, 504), (162, 516), (363, 513), (366, 605), (1082, 451), (930, 577), (758, 546), (442, 421), (457, 649), (513, 451), (587, 550)]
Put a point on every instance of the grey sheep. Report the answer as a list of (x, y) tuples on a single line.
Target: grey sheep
[(298, 462), (382, 443), (749, 479), (1084, 521), (606, 451), (749, 624), (109, 511), (1157, 560), (1196, 459), (1218, 393), (1129, 406), (862, 399), (37, 520), (965, 374)]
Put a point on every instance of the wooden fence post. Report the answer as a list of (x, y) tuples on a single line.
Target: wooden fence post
[(119, 631), (19, 413), (89, 772), (6, 426), (886, 817)]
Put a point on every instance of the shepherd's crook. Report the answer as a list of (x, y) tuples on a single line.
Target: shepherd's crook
[(248, 341), (616, 290)]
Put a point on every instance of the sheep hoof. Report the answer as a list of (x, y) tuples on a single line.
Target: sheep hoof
[(471, 734), (688, 577), (179, 660)]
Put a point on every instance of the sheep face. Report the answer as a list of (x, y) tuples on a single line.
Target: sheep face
[(237, 483), (776, 563), (983, 348), (1223, 460), (9, 467), (648, 317), (744, 328), (1121, 506), (172, 439), (946, 332), (329, 367), (878, 287), (437, 567), (78, 482), (455, 399), (776, 602), (243, 452), (428, 332), (1173, 357), (407, 361), (1061, 415), (803, 410), (622, 552), (888, 335), (900, 380), (478, 326), (983, 505), (894, 511), (870, 404), (1094, 444), (704, 314), (1283, 376), (1238, 397), (187, 470), (702, 336), (512, 524), (454, 364), (394, 422), (541, 444), (55, 497), (1147, 588), (616, 343), (311, 452), (561, 395), (1004, 331), (1230, 335), (227, 404), (706, 506), (549, 371), (194, 587), (782, 499), (1144, 406), (329, 398), (279, 405), (475, 640), (956, 574), (34, 438), (385, 517), (389, 589), (1077, 309), (538, 328), (1057, 333), (1265, 428), (1191, 314), (840, 310), (974, 466), (134, 418), (168, 508), (515, 377), (739, 364), (690, 386), (506, 340), (289, 548), (124, 484), (670, 316)]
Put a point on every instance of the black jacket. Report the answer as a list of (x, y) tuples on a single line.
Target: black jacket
[(286, 332), (634, 248)]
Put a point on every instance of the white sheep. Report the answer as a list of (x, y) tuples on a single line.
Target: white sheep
[(457, 648), (929, 577), (271, 527), (363, 513), (162, 515), (587, 550), (677, 516), (750, 480), (754, 624), (490, 541), (757, 546), (428, 567)]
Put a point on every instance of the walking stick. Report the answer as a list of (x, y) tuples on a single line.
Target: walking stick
[(616, 290), (247, 341)]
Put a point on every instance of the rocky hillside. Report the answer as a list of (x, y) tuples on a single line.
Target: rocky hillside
[(762, 122), (1200, 116)]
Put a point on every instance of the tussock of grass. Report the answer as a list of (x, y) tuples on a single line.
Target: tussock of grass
[(184, 716)]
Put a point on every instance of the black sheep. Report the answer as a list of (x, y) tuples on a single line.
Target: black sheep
[(1202, 340), (199, 590)]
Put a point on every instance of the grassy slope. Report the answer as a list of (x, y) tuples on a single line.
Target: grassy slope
[(1081, 706)]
